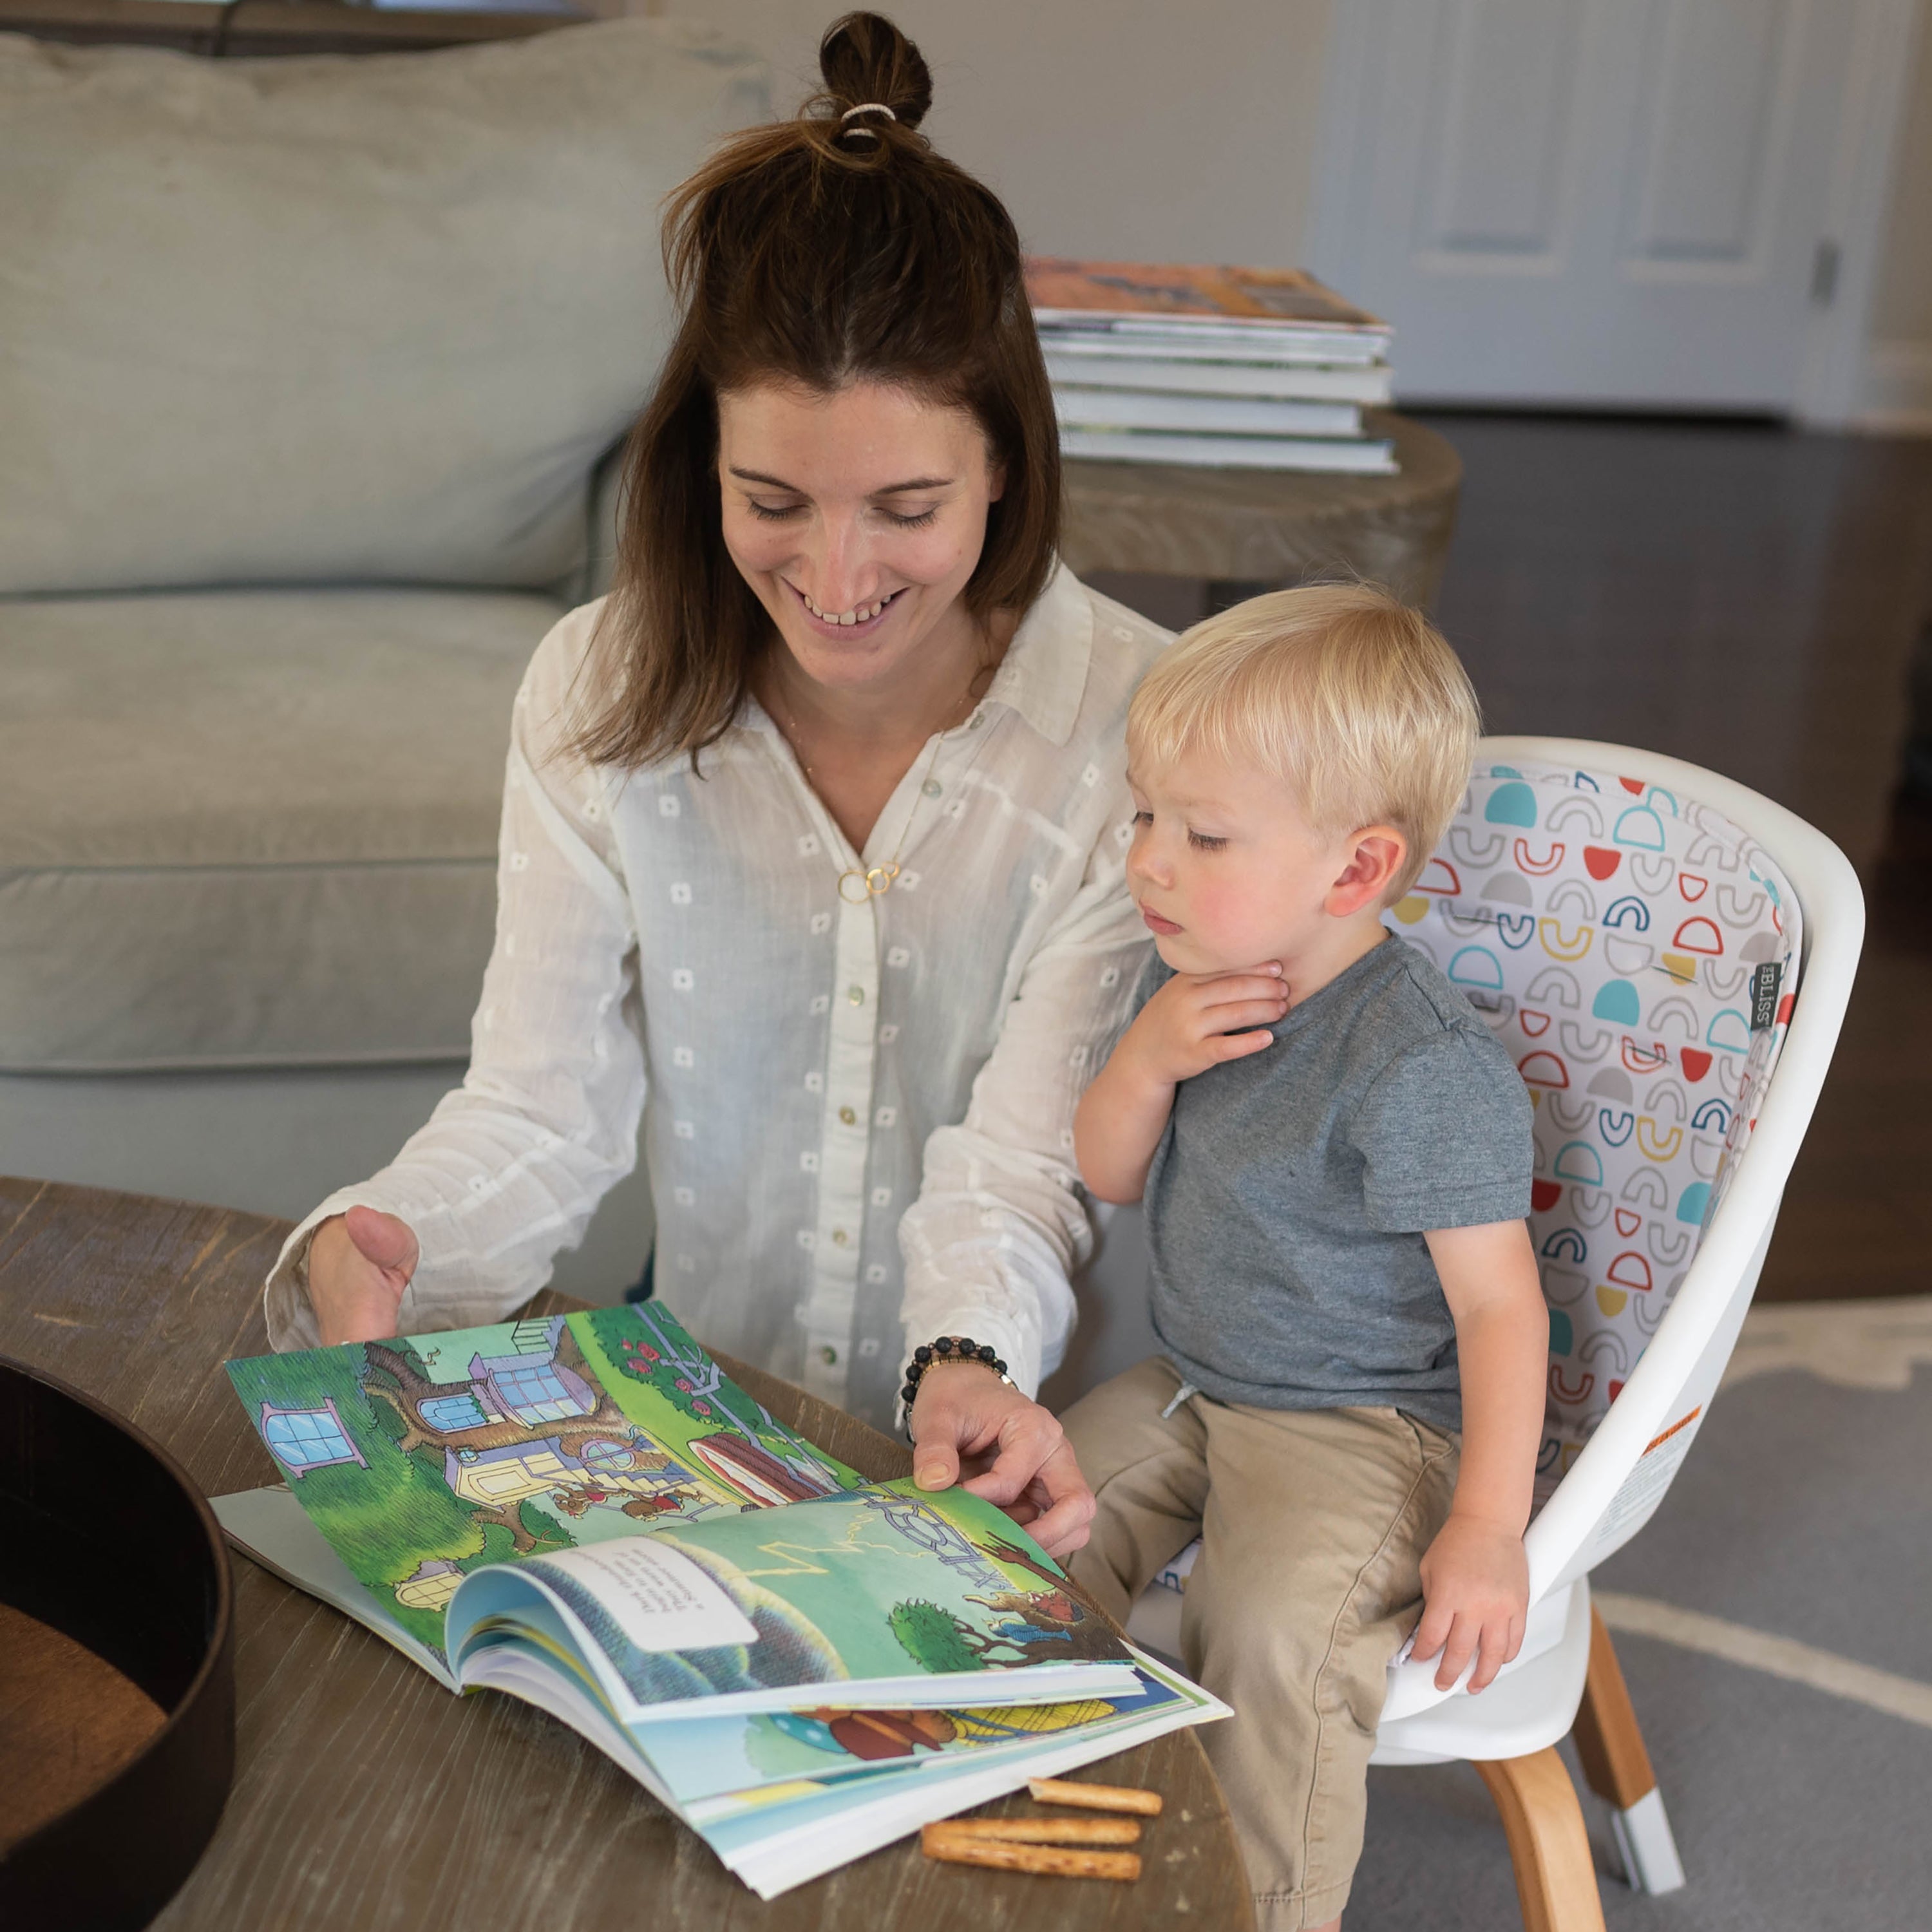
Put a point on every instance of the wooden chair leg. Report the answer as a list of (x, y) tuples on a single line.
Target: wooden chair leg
[(1618, 1768), (1556, 1877), (1608, 1741)]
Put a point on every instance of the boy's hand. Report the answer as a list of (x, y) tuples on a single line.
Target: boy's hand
[(1194, 1022), (1475, 1585)]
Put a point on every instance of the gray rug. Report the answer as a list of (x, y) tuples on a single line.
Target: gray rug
[(1805, 1513)]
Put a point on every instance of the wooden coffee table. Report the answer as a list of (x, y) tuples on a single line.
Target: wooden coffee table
[(365, 1794)]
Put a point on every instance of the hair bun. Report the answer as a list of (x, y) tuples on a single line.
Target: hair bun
[(866, 61)]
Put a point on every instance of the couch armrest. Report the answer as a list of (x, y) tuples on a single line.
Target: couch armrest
[(600, 556)]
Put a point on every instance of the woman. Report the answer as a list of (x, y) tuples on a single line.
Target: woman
[(814, 829)]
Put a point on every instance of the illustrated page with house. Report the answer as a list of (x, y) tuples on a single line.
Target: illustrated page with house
[(422, 1459), (603, 1496)]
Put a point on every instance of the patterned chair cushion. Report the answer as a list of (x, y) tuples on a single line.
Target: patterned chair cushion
[(1636, 953)]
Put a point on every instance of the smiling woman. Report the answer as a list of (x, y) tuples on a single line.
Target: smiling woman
[(814, 833)]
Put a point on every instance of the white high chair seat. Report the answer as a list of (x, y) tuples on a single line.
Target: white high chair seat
[(1637, 932)]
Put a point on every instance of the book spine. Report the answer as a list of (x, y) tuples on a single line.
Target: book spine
[(1241, 416), (1082, 368), (1263, 341), (1370, 457)]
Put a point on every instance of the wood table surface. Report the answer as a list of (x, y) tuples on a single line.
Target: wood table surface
[(366, 1795), (1272, 527)]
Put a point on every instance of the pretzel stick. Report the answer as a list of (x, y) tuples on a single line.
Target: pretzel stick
[(1042, 1831), (1049, 1859), (1096, 1797)]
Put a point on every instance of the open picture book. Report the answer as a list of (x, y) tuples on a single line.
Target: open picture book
[(585, 1512)]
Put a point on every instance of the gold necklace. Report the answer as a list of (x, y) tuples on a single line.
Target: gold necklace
[(872, 882)]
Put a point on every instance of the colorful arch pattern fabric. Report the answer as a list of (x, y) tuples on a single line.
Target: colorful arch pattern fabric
[(1637, 953)]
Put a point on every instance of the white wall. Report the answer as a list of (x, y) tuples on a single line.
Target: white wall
[(1141, 129), (1898, 362), (1186, 131)]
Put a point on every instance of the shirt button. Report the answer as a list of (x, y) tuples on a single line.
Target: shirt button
[(839, 1237), (829, 1355), (846, 1114), (856, 994), (932, 787)]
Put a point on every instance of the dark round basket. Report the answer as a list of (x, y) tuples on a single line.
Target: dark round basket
[(104, 1539)]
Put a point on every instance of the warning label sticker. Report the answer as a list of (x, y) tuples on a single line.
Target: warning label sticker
[(1643, 1490)]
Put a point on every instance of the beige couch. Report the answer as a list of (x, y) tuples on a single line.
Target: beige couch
[(309, 370)]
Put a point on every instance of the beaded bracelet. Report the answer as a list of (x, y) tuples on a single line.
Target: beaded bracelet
[(949, 1349)]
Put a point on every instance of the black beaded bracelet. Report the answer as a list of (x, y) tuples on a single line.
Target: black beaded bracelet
[(949, 1348)]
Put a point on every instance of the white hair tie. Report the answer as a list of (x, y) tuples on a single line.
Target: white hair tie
[(868, 107)]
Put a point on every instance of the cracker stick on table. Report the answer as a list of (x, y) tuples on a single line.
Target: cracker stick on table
[(1050, 1860), (1044, 1831), (1096, 1797)]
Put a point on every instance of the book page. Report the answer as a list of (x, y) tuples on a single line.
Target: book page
[(886, 1593), (656, 1596), (732, 1761), (270, 1525), (424, 1459)]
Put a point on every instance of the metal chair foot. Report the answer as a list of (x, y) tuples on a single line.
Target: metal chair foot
[(1644, 1843)]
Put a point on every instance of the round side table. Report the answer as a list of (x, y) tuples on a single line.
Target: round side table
[(1263, 529)]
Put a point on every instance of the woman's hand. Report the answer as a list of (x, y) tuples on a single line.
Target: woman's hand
[(966, 1422), (359, 1264)]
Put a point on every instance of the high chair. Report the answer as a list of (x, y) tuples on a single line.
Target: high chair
[(1667, 956)]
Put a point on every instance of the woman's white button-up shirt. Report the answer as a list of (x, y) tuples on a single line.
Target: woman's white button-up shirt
[(859, 1130)]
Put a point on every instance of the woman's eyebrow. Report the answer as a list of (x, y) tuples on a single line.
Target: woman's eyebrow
[(887, 489)]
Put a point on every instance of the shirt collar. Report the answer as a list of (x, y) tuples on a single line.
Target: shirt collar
[(1043, 675)]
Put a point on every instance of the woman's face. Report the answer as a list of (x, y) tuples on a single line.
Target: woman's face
[(857, 518)]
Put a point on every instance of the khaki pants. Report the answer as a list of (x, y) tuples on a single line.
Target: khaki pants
[(1313, 1524)]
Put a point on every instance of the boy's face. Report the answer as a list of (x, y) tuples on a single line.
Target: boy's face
[(1228, 872)]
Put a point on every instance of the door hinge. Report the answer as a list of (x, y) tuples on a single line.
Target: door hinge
[(1825, 273)]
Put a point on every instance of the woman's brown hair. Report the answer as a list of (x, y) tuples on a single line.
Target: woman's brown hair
[(834, 247)]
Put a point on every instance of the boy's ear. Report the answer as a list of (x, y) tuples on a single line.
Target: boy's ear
[(1376, 853)]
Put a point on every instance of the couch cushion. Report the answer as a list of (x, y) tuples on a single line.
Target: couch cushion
[(246, 829), (318, 318)]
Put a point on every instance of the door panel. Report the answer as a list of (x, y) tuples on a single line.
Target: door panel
[(1601, 201), (1494, 181), (1717, 87)]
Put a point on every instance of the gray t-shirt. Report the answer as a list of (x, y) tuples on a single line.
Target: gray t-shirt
[(1287, 1199)]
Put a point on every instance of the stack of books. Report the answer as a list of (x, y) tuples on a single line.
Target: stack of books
[(585, 1512), (1261, 368)]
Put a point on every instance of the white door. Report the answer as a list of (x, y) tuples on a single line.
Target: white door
[(1628, 202)]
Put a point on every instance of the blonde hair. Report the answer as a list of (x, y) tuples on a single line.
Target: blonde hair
[(1355, 700)]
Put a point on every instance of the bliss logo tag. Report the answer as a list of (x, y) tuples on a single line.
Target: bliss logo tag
[(1764, 995)]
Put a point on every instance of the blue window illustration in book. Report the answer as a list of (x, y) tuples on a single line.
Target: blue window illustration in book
[(304, 1439), (534, 1391), (446, 1414)]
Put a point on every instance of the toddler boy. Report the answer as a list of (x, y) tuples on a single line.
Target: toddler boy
[(1335, 1156)]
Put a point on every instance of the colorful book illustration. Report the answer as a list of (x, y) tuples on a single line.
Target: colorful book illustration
[(1254, 306), (585, 1512)]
